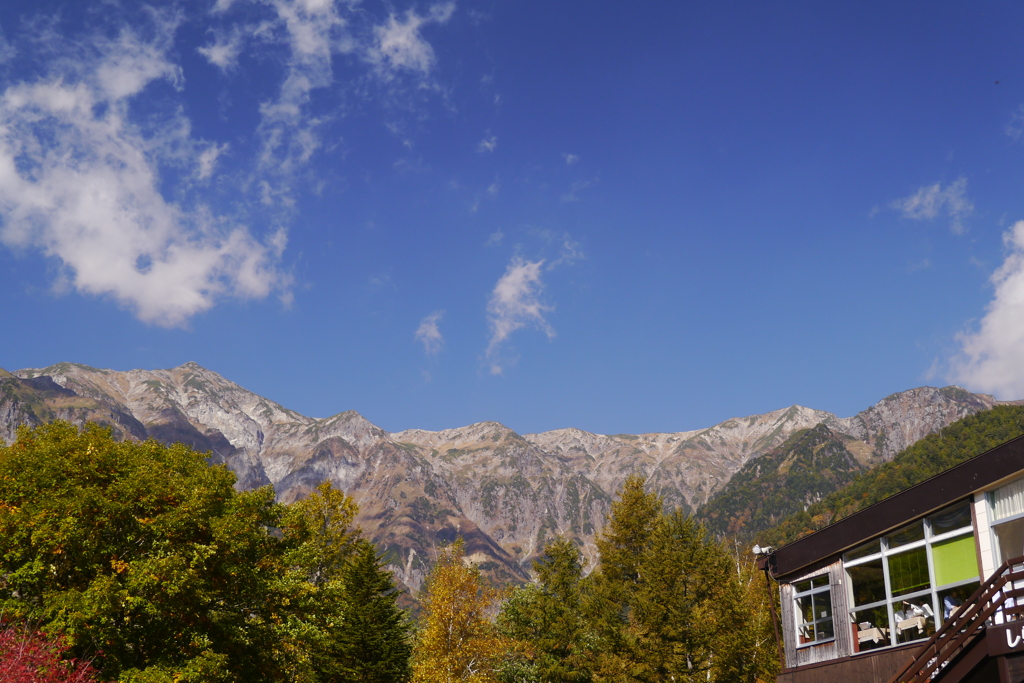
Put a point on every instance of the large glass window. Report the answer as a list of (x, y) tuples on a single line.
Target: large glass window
[(903, 583), (814, 622)]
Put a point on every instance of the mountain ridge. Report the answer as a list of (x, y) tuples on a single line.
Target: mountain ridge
[(504, 492)]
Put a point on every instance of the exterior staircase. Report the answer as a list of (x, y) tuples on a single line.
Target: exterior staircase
[(1000, 599)]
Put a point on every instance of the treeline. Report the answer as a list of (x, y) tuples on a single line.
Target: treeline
[(136, 562), (954, 444), (665, 603)]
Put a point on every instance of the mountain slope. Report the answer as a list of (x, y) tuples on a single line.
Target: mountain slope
[(808, 466), (933, 454), (504, 492)]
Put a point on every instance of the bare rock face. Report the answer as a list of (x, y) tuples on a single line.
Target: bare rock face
[(504, 493), (900, 420)]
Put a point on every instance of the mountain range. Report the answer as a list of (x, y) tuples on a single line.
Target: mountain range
[(503, 492)]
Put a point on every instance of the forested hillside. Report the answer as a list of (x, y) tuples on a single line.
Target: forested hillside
[(931, 455), (808, 466)]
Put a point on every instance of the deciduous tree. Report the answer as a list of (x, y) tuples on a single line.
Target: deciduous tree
[(458, 641)]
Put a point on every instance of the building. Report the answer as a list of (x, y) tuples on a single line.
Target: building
[(919, 587)]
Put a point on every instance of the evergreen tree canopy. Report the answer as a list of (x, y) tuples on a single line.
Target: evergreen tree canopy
[(548, 618), (375, 640)]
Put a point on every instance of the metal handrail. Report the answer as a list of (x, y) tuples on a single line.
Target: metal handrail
[(968, 623)]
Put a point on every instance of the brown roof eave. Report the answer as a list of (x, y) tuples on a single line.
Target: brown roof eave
[(941, 490)]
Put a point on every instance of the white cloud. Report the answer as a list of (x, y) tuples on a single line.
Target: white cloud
[(224, 51), (991, 359), (429, 334), (493, 189), (399, 46), (570, 159), (488, 144), (208, 159), (7, 51), (569, 253), (313, 30), (515, 303), (930, 201), (495, 238), (80, 183)]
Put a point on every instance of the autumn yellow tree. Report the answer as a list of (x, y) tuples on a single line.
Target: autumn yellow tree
[(458, 640)]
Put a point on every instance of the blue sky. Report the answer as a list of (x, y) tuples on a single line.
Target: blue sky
[(620, 217)]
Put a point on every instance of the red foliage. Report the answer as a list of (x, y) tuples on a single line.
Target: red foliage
[(28, 656)]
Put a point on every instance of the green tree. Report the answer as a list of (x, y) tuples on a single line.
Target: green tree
[(547, 616), (610, 602), (375, 639), (322, 525), (666, 600), (146, 558), (457, 640)]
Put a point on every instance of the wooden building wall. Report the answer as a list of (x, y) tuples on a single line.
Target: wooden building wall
[(877, 666), (842, 646)]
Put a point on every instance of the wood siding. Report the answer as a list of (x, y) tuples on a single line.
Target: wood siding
[(842, 646), (877, 666)]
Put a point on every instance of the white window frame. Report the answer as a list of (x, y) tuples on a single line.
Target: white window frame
[(932, 592), (798, 615)]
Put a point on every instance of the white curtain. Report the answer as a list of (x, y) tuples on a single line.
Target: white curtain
[(1009, 500)]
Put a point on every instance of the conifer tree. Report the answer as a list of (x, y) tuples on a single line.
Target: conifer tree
[(547, 616), (684, 595), (666, 601), (609, 604), (375, 639), (457, 642)]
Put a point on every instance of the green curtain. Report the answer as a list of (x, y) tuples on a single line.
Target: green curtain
[(955, 560)]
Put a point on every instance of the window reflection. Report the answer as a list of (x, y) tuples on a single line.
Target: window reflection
[(951, 519), (868, 582), (908, 572), (907, 535)]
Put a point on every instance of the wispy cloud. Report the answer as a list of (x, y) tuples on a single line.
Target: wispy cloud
[(932, 201), (429, 334), (223, 52), (991, 358), (515, 303), (1015, 128), (399, 45), (573, 195), (80, 183), (570, 159), (569, 252), (313, 33), (488, 144)]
